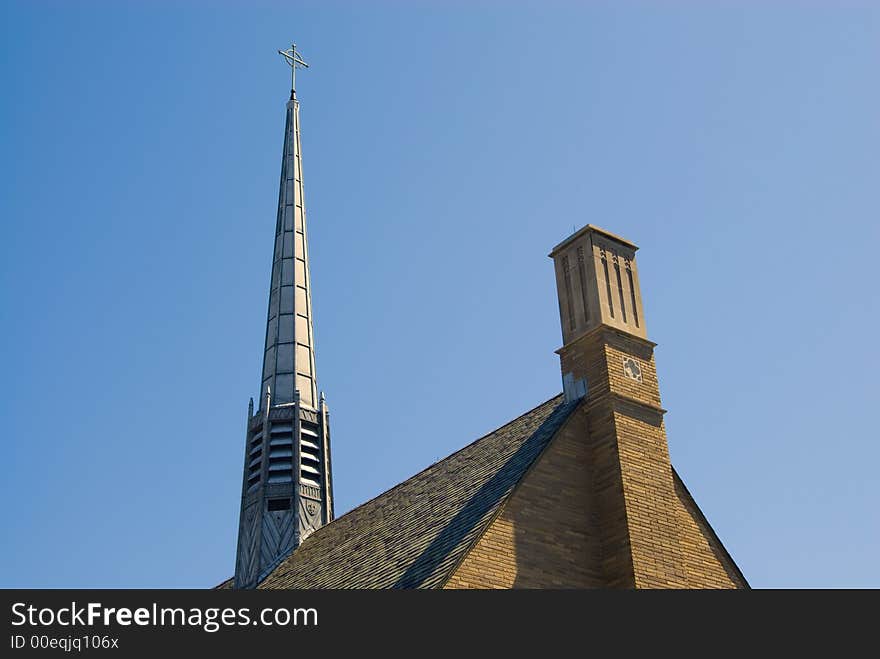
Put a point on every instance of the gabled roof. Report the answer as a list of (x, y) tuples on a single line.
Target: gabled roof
[(415, 534)]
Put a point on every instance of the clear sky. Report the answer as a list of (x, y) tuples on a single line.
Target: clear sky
[(447, 147)]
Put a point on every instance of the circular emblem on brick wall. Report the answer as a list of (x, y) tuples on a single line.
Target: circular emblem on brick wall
[(632, 369)]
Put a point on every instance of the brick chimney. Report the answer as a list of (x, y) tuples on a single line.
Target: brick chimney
[(608, 362)]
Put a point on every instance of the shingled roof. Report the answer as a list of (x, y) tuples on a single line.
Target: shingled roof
[(415, 534)]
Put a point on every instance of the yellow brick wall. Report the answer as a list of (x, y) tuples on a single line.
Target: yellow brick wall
[(615, 350), (602, 507), (652, 515), (611, 528), (543, 536), (639, 518), (653, 536), (705, 561), (550, 532)]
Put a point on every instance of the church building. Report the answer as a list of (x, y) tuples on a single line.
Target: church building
[(578, 492)]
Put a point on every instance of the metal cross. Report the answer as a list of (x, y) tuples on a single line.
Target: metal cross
[(294, 59)]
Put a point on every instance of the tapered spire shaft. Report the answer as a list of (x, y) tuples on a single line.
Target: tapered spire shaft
[(288, 362)]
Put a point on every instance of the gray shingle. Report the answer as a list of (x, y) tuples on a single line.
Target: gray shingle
[(413, 535)]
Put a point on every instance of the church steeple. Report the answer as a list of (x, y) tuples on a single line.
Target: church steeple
[(288, 363), (286, 485)]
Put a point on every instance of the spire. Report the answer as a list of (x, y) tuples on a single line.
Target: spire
[(288, 362), (286, 484)]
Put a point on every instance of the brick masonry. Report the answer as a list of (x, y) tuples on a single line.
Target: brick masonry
[(602, 506), (544, 536), (706, 561)]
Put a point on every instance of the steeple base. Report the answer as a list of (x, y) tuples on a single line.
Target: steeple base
[(280, 507)]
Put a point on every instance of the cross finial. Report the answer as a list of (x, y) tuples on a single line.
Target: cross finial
[(294, 60)]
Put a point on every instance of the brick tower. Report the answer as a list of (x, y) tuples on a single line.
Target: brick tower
[(607, 360)]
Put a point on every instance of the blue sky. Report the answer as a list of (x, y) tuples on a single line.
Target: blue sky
[(447, 148)]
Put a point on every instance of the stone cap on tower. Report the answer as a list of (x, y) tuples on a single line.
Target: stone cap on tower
[(597, 283)]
